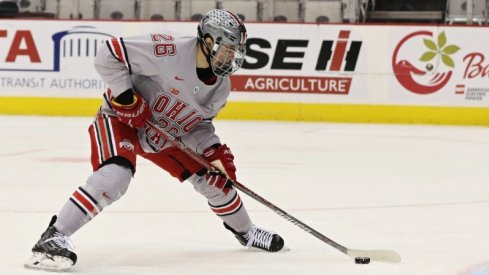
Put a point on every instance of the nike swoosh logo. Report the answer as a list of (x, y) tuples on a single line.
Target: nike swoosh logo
[(178, 78), (106, 195)]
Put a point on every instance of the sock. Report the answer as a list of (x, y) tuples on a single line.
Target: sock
[(103, 187)]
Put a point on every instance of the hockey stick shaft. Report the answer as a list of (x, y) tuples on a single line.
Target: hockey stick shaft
[(273, 207)]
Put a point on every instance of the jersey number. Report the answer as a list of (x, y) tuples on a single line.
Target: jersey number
[(163, 45)]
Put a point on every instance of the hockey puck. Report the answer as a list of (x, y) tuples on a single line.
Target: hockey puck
[(362, 260)]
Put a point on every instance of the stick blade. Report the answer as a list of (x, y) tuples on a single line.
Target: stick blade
[(376, 255)]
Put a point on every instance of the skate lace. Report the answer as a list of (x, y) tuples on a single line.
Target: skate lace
[(259, 237), (61, 241)]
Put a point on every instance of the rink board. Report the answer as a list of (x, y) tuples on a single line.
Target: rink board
[(301, 72), (274, 111)]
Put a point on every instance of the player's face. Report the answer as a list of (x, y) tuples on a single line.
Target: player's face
[(226, 56)]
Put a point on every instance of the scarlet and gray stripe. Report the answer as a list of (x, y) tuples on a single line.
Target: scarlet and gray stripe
[(118, 50), (86, 203), (229, 208), (107, 97), (104, 137), (242, 28)]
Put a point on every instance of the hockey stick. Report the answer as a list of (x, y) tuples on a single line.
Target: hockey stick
[(374, 255)]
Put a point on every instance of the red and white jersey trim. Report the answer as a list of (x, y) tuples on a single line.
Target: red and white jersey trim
[(104, 137), (117, 48)]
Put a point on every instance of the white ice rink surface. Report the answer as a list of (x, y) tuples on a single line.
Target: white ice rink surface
[(420, 190)]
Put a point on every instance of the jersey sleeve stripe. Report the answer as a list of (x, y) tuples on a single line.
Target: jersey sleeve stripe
[(107, 101), (119, 50), (112, 50), (128, 64)]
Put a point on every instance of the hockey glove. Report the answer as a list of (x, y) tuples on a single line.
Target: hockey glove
[(221, 157), (219, 180), (134, 114)]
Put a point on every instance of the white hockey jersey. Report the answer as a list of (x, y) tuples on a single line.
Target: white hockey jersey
[(162, 68)]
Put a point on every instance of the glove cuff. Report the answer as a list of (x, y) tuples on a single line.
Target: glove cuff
[(125, 107)]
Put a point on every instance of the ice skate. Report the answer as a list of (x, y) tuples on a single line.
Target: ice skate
[(259, 238), (53, 252)]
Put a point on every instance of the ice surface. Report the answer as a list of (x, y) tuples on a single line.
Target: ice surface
[(420, 190)]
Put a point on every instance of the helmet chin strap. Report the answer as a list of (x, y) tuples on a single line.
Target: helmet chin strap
[(204, 48)]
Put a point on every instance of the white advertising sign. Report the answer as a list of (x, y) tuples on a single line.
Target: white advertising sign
[(356, 64), (55, 58), (445, 65)]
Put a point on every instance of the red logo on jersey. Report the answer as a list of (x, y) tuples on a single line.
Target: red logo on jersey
[(126, 144), (174, 91), (105, 194), (179, 78), (175, 117)]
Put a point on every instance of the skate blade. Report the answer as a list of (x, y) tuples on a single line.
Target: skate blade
[(284, 249), (40, 261)]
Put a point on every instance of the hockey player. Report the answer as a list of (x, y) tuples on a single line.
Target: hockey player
[(179, 83)]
